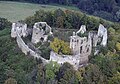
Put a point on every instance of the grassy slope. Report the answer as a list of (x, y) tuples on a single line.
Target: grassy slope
[(15, 11)]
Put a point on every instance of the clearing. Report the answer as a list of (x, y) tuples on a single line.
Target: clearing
[(15, 11)]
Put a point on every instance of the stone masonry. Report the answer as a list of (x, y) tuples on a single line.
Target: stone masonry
[(40, 32), (81, 46)]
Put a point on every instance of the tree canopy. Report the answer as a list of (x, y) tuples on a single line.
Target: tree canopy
[(107, 9), (60, 47)]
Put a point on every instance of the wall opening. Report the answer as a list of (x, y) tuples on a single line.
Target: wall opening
[(87, 49), (81, 41), (81, 49)]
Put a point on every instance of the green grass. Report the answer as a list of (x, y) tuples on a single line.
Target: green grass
[(15, 11)]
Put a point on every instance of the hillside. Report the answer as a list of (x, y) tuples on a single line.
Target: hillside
[(15, 11), (13, 63), (107, 9), (18, 68)]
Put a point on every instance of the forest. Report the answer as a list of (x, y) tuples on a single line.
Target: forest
[(107, 9), (16, 68)]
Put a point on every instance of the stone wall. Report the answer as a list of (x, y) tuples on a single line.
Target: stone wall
[(61, 59), (94, 38), (81, 46), (75, 60), (26, 50), (22, 45), (40, 32), (102, 32), (20, 28)]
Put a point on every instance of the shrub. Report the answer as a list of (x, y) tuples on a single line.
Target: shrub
[(4, 23), (59, 46)]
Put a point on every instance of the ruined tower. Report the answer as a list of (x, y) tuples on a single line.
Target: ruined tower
[(81, 45), (21, 28), (40, 32)]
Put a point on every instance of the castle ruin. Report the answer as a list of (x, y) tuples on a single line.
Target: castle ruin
[(80, 44)]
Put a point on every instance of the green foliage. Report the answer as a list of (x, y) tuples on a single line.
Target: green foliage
[(63, 34), (93, 75), (106, 64), (60, 46), (79, 73), (118, 15), (10, 81), (117, 61), (103, 68), (4, 23), (3, 69), (66, 19), (60, 22), (67, 75), (51, 70), (113, 39), (67, 25), (4, 32), (103, 50), (118, 46), (59, 13), (107, 9), (30, 21), (40, 74), (50, 74), (111, 45), (59, 17), (11, 58), (115, 79), (111, 31), (83, 35), (45, 50), (93, 23)]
